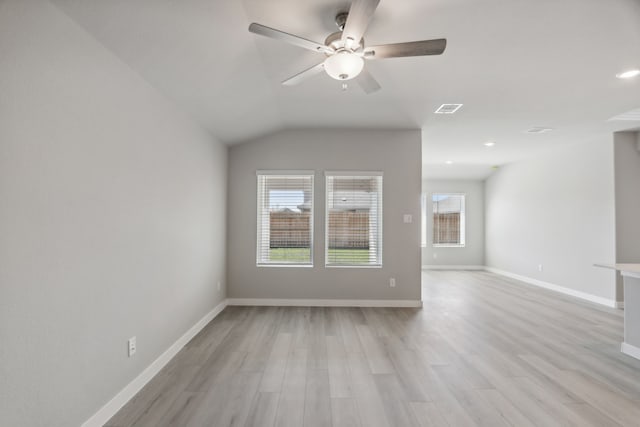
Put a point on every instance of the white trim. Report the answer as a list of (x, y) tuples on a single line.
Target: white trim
[(105, 413), (324, 302), (567, 291), (630, 350), (453, 267), (634, 274)]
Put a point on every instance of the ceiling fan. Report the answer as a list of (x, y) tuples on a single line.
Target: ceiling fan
[(345, 49)]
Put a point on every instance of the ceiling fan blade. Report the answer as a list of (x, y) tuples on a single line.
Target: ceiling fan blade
[(366, 81), (288, 38), (303, 75), (398, 50), (358, 20)]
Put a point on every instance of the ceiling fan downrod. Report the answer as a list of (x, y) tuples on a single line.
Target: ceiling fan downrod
[(341, 20)]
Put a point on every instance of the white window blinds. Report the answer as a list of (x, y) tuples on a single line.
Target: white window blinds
[(285, 218), (448, 219), (353, 219)]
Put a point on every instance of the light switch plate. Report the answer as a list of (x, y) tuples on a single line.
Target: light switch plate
[(408, 218)]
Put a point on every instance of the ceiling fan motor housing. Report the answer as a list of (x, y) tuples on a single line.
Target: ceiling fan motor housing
[(334, 40)]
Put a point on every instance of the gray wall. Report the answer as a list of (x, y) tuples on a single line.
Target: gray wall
[(556, 210), (112, 220), (627, 179), (627, 185), (396, 153), (632, 316), (472, 254)]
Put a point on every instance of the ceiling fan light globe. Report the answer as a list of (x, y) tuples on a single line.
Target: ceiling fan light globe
[(343, 65)]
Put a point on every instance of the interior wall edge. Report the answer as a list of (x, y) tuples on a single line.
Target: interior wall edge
[(129, 391)]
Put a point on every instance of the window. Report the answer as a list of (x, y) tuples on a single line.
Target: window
[(285, 218), (448, 219), (353, 219)]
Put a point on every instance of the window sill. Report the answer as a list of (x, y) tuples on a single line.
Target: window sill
[(448, 246), (286, 265), (352, 266)]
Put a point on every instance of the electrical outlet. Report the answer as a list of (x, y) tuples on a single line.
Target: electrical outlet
[(219, 287), (392, 282), (407, 218), (132, 346), (540, 267)]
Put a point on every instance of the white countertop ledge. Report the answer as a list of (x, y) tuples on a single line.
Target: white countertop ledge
[(629, 270)]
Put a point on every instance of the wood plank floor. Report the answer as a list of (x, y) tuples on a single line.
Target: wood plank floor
[(483, 351)]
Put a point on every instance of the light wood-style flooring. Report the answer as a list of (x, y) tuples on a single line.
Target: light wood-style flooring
[(483, 351)]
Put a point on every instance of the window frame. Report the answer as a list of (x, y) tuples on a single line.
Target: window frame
[(463, 221), (259, 209), (379, 234)]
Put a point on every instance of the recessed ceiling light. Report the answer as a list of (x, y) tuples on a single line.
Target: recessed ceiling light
[(489, 144), (449, 162), (628, 74), (538, 130), (448, 108)]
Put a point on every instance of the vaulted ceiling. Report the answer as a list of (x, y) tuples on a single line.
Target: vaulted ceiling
[(514, 65)]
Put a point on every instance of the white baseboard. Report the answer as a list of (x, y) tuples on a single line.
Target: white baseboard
[(453, 267), (630, 350), (119, 400), (567, 291), (324, 302)]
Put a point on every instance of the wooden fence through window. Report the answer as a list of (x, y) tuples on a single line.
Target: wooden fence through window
[(347, 230), (446, 228), (289, 229)]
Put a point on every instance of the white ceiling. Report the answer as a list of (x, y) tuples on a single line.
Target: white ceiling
[(514, 64)]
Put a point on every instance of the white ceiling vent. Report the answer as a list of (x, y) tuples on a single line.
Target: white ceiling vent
[(448, 108), (538, 130), (628, 116)]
